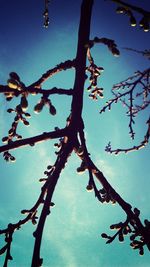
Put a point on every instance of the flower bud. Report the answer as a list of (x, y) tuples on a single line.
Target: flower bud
[(52, 204), (52, 110), (26, 123), (115, 52), (120, 10), (12, 83), (24, 103), (15, 76), (80, 150), (144, 23), (19, 137), (103, 235), (25, 211), (28, 115), (10, 110), (16, 119), (34, 221), (45, 14), (38, 107), (132, 21), (121, 238), (141, 251), (5, 139), (146, 26), (12, 159), (89, 188), (11, 131)]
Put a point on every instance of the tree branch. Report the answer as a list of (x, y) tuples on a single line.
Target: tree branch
[(80, 67), (60, 67), (33, 90), (34, 140), (110, 194), (52, 181), (133, 7)]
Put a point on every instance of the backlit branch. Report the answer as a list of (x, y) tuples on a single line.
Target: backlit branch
[(143, 143), (145, 53), (135, 96), (94, 70), (132, 226), (46, 14), (60, 67), (17, 88), (129, 10), (34, 140), (30, 90), (72, 137), (44, 199)]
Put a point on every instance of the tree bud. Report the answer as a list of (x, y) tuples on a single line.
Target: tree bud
[(52, 110), (38, 107), (5, 139), (120, 10), (89, 188), (12, 83), (24, 103), (132, 21)]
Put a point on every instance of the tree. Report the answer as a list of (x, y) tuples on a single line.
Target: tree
[(72, 136)]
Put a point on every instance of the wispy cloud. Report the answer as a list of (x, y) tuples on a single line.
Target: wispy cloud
[(105, 167)]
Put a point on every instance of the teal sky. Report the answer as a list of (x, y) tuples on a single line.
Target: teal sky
[(72, 232)]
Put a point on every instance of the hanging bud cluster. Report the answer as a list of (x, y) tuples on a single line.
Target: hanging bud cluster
[(8, 157), (13, 83), (20, 116), (143, 23), (93, 69), (44, 101), (95, 72), (109, 43), (139, 238), (46, 14), (59, 146), (96, 92)]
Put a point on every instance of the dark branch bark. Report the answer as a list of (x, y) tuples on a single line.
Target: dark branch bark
[(84, 32), (133, 7), (31, 90), (62, 66), (34, 140), (36, 260), (77, 104)]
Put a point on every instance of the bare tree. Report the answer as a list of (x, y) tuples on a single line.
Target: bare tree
[(72, 137)]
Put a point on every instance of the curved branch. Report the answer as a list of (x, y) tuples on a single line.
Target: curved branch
[(143, 143), (60, 67), (134, 8), (132, 216)]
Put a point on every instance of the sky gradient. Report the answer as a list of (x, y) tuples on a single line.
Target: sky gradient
[(72, 232)]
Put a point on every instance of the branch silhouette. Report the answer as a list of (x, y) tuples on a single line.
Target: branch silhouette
[(71, 138), (129, 10)]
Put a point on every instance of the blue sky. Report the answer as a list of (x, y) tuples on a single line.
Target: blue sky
[(72, 232)]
